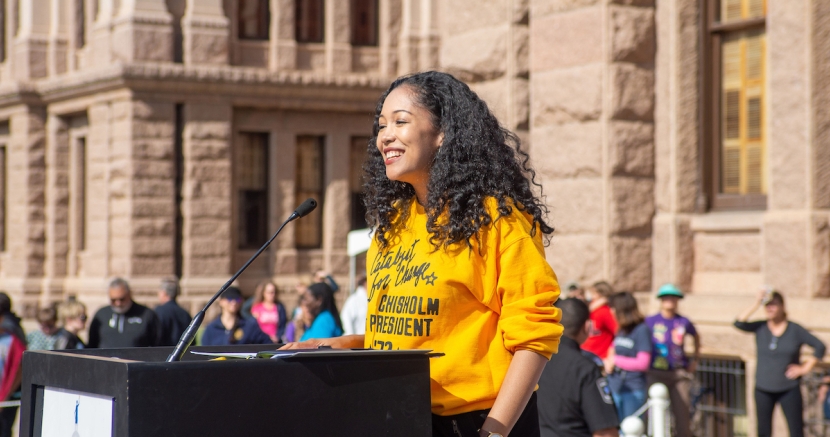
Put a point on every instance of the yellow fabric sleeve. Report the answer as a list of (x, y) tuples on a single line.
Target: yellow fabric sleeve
[(528, 287)]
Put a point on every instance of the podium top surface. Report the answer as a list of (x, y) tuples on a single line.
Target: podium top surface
[(210, 353), (364, 392)]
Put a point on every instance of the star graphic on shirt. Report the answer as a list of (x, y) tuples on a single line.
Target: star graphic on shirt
[(431, 279)]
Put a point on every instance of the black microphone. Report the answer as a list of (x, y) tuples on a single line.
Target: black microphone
[(190, 333), (304, 208)]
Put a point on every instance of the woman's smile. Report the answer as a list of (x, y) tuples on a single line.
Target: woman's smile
[(391, 155), (408, 140)]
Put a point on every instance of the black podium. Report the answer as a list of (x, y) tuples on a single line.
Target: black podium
[(365, 393)]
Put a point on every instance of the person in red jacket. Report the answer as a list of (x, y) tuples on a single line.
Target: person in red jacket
[(604, 326), (11, 355)]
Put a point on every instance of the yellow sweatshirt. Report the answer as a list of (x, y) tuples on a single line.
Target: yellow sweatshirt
[(477, 307)]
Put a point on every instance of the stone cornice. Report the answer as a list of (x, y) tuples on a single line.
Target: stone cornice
[(154, 19), (18, 93), (205, 22), (236, 83)]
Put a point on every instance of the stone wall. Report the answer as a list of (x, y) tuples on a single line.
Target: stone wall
[(23, 261), (592, 135), (490, 53), (207, 205)]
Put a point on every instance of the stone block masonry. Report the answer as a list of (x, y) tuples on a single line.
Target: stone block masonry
[(592, 128)]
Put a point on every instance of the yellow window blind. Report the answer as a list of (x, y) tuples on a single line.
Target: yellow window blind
[(742, 110), (731, 10)]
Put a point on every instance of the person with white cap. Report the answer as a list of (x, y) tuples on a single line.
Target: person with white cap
[(669, 363)]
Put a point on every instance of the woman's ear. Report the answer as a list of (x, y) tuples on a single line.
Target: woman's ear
[(440, 139)]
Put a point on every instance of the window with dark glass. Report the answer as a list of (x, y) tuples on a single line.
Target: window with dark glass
[(178, 166), (2, 30), (251, 175), (80, 194), (358, 156), (364, 21), (80, 24), (254, 19), (310, 183), (176, 10), (736, 98), (309, 20)]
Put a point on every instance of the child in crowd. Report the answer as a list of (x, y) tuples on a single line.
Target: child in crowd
[(669, 363), (603, 324)]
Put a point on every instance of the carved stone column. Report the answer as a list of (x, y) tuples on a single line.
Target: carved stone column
[(592, 136), (337, 34), (283, 47), (32, 40), (23, 259), (205, 31), (142, 31), (206, 196), (101, 44), (58, 37), (389, 29)]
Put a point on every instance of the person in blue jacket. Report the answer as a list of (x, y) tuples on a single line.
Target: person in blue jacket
[(230, 327), (319, 313)]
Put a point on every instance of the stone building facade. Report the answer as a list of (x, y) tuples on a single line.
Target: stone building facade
[(681, 141)]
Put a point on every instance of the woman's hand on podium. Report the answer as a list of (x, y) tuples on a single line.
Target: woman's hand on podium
[(342, 342)]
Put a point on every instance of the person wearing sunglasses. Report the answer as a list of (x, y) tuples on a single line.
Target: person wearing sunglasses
[(779, 367), (230, 327), (72, 317), (123, 323)]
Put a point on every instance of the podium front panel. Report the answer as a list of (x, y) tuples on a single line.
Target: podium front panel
[(313, 396)]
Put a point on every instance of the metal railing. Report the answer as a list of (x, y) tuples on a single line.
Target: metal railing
[(718, 403), (718, 398), (815, 422), (659, 423)]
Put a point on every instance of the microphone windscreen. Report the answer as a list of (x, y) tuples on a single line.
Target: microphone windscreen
[(306, 207)]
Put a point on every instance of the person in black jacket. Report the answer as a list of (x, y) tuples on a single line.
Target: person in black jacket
[(173, 319), (779, 370), (123, 323), (230, 327), (574, 398)]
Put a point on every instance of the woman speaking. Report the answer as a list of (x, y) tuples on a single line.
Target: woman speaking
[(457, 264)]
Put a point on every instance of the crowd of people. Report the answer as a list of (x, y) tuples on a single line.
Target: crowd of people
[(261, 319), (621, 353), (609, 355), (631, 352)]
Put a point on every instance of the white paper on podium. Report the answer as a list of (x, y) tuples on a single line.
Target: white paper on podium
[(60, 406), (322, 352)]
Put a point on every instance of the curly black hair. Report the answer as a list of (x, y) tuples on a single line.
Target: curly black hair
[(477, 159)]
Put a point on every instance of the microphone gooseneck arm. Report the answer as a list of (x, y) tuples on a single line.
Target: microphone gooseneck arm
[(190, 333)]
